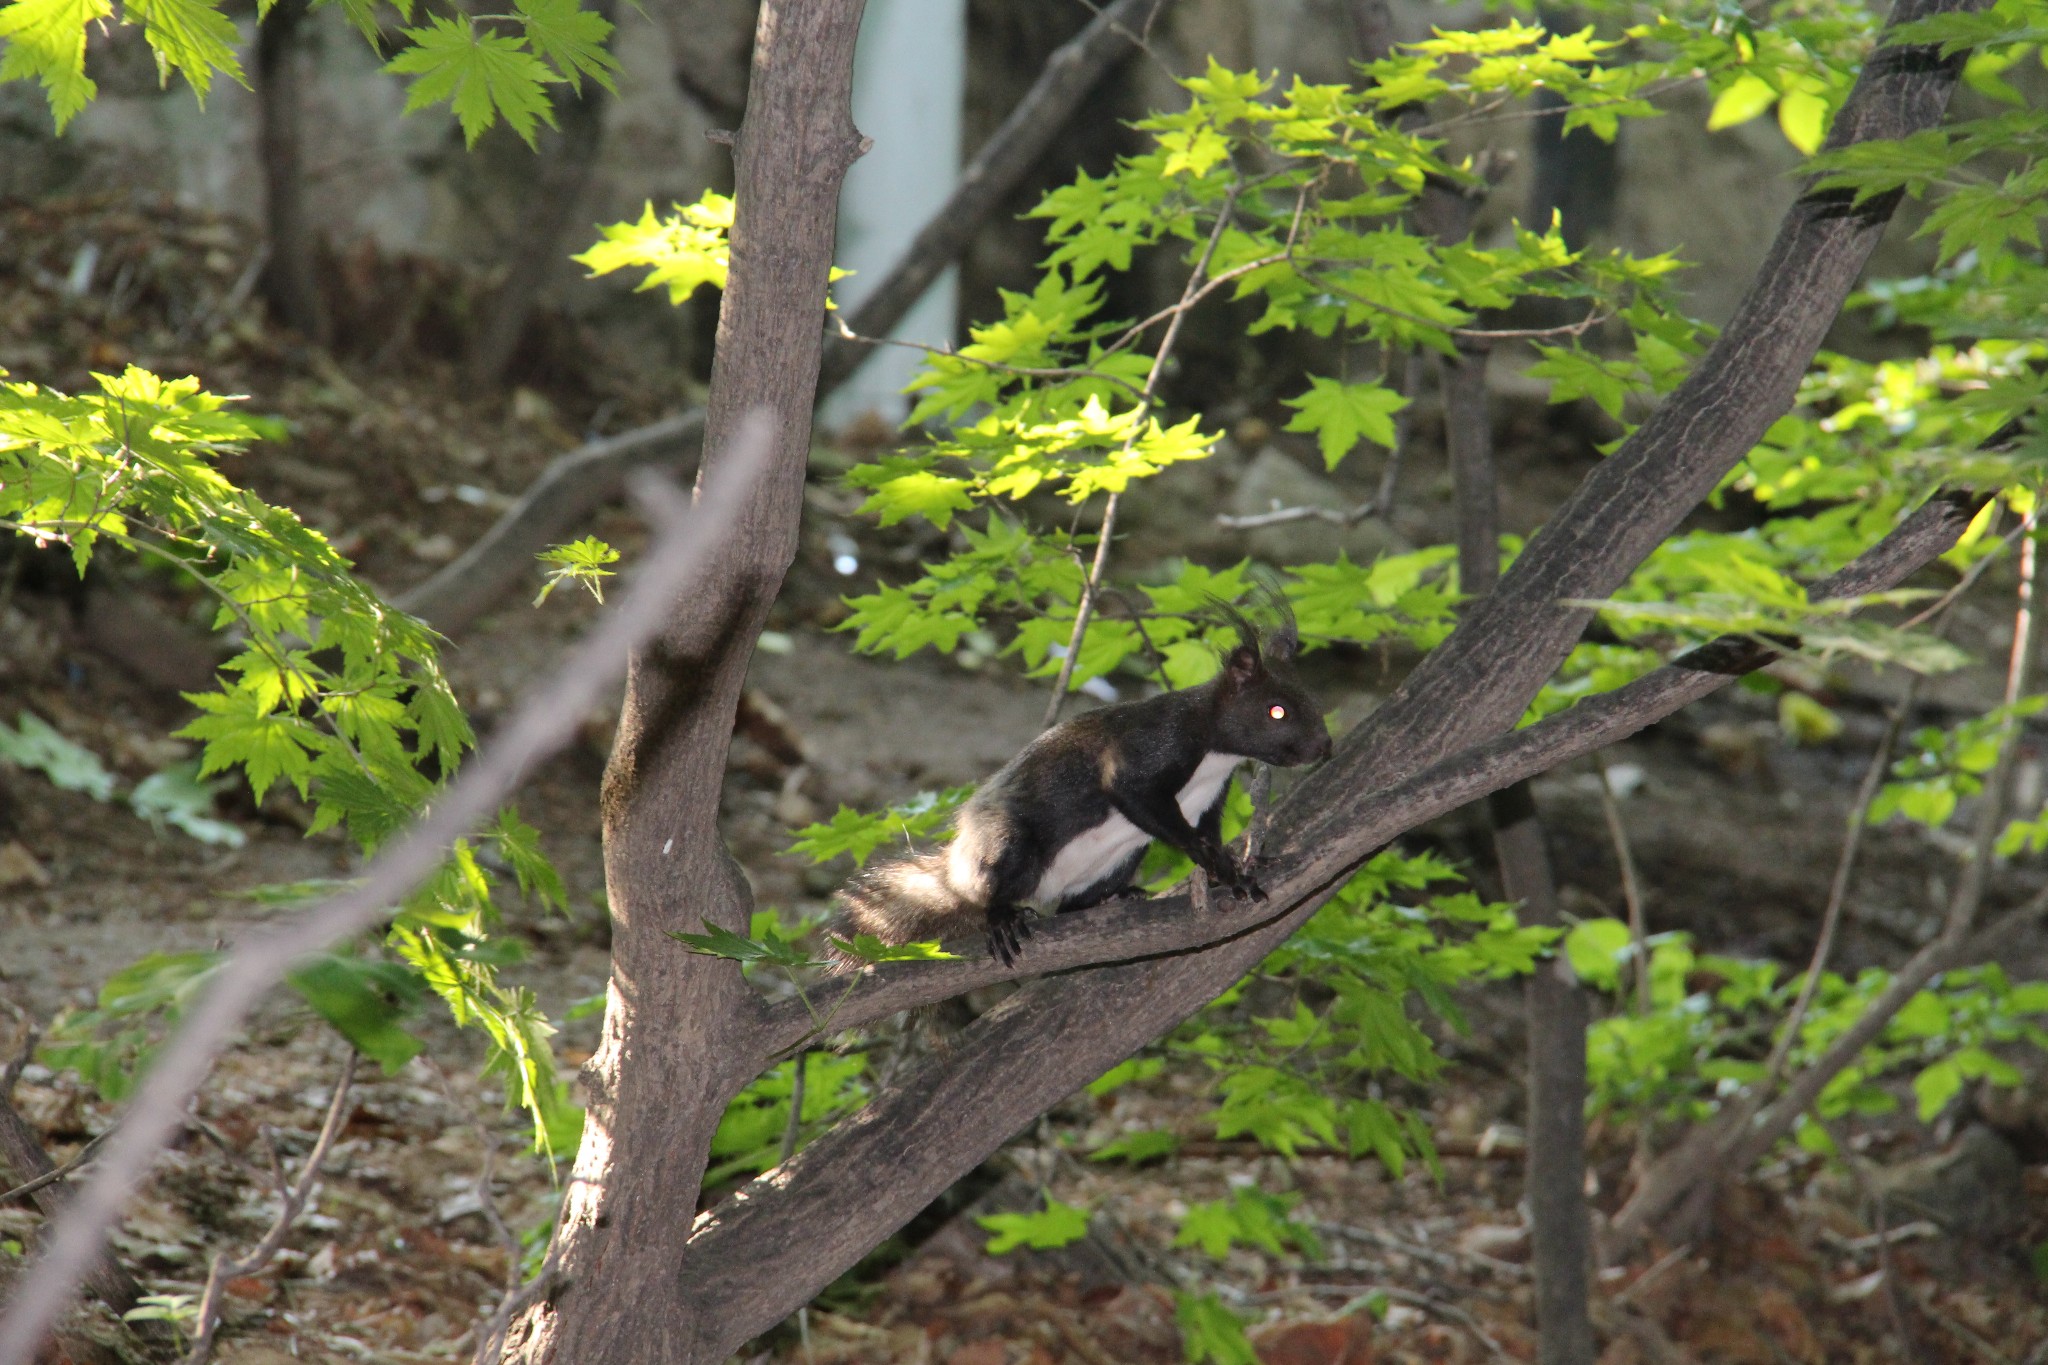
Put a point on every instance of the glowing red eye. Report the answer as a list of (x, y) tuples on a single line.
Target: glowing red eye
[(1277, 712)]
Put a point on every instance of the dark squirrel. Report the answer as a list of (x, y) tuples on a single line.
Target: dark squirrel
[(1064, 824)]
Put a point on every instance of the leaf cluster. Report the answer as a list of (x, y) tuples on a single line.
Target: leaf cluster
[(332, 693), (484, 67)]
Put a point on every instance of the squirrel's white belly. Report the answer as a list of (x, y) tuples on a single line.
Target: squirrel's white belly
[(1096, 852)]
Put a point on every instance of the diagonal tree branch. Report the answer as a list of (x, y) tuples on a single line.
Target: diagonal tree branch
[(793, 1228), (690, 541), (1369, 820)]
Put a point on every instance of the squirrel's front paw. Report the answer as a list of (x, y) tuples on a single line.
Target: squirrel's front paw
[(1008, 927)]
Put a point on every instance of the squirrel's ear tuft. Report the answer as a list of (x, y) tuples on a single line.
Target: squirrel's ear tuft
[(1242, 665), (1284, 643)]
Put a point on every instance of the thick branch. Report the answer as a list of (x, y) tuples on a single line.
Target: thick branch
[(1131, 931), (800, 1225), (1480, 679), (673, 1045)]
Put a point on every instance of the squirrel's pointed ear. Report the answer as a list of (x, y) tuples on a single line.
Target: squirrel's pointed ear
[(1242, 666)]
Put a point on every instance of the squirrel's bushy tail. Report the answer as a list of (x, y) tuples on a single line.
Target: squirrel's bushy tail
[(908, 900)]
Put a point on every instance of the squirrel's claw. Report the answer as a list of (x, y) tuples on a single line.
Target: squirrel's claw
[(1008, 927)]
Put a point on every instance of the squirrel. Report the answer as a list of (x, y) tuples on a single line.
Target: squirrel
[(1064, 824)]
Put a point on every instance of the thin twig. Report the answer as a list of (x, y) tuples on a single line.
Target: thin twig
[(1875, 1199), (690, 542), (1090, 584), (794, 1127), (1969, 578), (1631, 887), (1428, 1302), (291, 1203), (1747, 1126), (1838, 890), (1659, 1268), (2019, 669), (57, 1173)]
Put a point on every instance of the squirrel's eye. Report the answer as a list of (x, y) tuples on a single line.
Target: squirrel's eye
[(1277, 711)]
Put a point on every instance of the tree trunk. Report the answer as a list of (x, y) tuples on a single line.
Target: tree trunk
[(683, 1033), (291, 281), (674, 1048), (765, 1250), (568, 158), (1561, 1233)]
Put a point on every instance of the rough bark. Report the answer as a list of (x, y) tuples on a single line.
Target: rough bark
[(1561, 1233), (762, 1252), (675, 1039), (291, 280)]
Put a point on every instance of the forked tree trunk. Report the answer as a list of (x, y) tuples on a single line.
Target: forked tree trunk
[(636, 1280), (767, 1249), (671, 1057)]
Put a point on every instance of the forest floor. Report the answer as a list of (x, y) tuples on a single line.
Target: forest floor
[(1736, 831)]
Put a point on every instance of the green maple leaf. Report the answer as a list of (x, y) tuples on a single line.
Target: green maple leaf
[(904, 488), (519, 843), (268, 747), (1057, 1226), (483, 76), (46, 39), (192, 36), (686, 249), (720, 942), (572, 38), (1341, 413), (441, 726)]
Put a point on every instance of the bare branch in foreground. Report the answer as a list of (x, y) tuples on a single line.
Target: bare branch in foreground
[(1123, 932), (688, 542), (291, 1203)]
